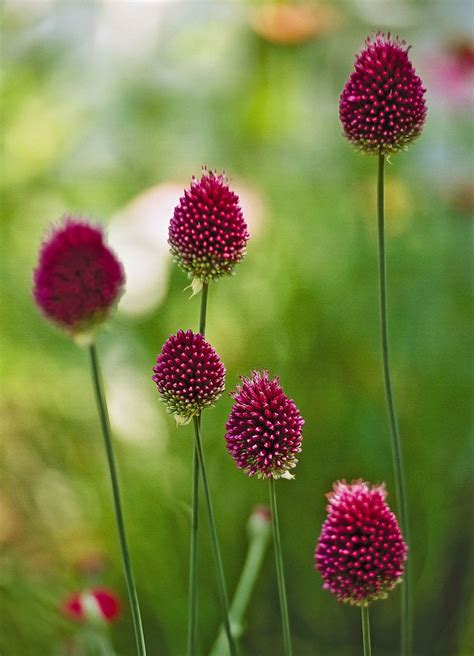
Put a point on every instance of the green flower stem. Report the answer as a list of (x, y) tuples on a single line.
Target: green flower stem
[(364, 614), (192, 601), (95, 641), (214, 539), (406, 619), (253, 563), (106, 432), (280, 573), (203, 313)]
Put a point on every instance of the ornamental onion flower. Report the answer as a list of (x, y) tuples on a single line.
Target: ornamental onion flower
[(382, 108), (361, 551), (78, 278), (76, 284), (93, 605), (208, 233), (189, 375), (264, 428)]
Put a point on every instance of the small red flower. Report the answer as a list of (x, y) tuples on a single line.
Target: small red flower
[(264, 428), (95, 604), (78, 278), (382, 108), (208, 233), (189, 375), (361, 551)]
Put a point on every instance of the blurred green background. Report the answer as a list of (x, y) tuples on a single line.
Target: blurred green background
[(108, 109)]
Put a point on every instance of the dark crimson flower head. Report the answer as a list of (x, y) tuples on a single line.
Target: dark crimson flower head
[(78, 278), (93, 605), (382, 108), (208, 233), (189, 375), (361, 551), (264, 428)]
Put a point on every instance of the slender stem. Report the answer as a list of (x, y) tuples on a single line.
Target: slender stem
[(406, 619), (193, 561), (280, 573), (364, 614), (192, 608), (203, 313), (106, 432), (214, 539)]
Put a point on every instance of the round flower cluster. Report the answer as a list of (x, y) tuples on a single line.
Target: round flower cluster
[(208, 233), (94, 605), (189, 375), (78, 278), (382, 108), (264, 428), (361, 551)]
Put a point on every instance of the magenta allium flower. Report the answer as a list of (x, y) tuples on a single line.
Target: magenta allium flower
[(189, 375), (264, 428), (78, 278), (208, 233), (382, 108), (361, 551), (96, 604)]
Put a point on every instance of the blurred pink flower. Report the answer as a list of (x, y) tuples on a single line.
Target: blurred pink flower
[(450, 73), (92, 605)]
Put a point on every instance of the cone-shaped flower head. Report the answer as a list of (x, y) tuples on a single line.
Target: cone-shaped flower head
[(208, 233), (78, 278), (264, 428), (361, 551), (96, 605), (382, 108), (189, 375)]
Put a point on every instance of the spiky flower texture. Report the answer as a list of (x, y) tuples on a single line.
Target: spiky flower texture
[(208, 233), (264, 429), (78, 278), (382, 108), (361, 551), (189, 375)]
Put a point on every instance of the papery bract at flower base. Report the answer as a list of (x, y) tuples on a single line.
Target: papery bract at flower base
[(361, 551), (78, 279), (264, 428), (189, 375), (382, 108), (93, 605), (208, 233)]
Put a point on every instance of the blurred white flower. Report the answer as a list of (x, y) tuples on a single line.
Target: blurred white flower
[(139, 235), (135, 414)]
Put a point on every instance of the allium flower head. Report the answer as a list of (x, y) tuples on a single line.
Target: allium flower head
[(264, 428), (189, 375), (382, 108), (94, 605), (78, 278), (208, 233), (361, 551)]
